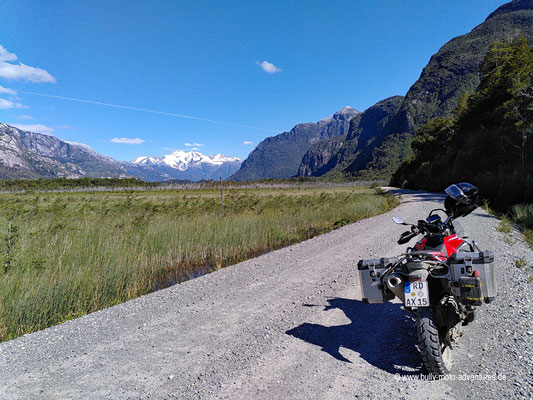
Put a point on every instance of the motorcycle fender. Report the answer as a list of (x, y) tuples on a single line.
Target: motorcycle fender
[(448, 313)]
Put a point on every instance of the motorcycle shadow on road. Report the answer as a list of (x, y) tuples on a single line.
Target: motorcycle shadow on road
[(382, 334)]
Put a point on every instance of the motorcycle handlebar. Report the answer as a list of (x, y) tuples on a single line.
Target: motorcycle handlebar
[(430, 228), (406, 237), (424, 227)]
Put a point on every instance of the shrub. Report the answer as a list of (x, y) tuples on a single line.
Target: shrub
[(523, 214)]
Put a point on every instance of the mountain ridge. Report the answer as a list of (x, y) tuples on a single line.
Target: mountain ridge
[(280, 156), (30, 155), (451, 73), (191, 165), (365, 128)]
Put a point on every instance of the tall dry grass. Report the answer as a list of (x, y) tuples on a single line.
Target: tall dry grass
[(65, 255)]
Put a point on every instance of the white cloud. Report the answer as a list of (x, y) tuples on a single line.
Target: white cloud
[(247, 142), (21, 71), (7, 91), (268, 67), (26, 117), (127, 140), (35, 128), (6, 104), (25, 72), (64, 127), (6, 55), (193, 144), (194, 148)]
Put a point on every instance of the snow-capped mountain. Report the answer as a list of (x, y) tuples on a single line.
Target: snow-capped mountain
[(29, 155), (190, 165)]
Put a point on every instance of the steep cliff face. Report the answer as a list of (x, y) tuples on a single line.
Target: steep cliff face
[(280, 156), (366, 131), (319, 158), (375, 129)]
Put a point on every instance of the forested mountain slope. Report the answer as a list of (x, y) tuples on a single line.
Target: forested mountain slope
[(489, 138), (449, 75)]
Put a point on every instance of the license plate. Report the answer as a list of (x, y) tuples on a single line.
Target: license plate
[(416, 294)]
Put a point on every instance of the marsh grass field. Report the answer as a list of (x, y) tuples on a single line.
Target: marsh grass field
[(63, 255)]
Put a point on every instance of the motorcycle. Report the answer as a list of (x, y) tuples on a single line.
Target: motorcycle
[(441, 280)]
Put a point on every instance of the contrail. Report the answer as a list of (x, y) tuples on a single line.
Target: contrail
[(149, 111)]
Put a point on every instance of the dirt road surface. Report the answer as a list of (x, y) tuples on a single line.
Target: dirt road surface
[(288, 324)]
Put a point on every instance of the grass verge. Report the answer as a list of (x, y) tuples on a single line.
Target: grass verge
[(63, 255)]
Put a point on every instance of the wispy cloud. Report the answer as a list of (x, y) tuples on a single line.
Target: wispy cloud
[(268, 67), (151, 111), (6, 55), (247, 142), (193, 144), (26, 117), (65, 127), (7, 104), (21, 71), (39, 128), (127, 140), (7, 91)]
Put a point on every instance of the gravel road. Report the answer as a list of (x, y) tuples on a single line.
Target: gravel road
[(288, 324)]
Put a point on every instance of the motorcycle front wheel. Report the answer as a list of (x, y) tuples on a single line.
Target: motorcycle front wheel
[(435, 356)]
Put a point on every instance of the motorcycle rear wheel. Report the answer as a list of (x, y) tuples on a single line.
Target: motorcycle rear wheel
[(435, 356)]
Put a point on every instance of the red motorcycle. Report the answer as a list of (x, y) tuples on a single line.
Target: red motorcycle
[(441, 280)]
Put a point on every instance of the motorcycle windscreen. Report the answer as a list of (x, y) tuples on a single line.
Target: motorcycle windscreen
[(456, 193)]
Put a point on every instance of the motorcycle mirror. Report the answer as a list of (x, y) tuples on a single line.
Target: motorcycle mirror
[(398, 220)]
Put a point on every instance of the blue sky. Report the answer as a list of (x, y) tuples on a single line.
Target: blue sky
[(246, 70)]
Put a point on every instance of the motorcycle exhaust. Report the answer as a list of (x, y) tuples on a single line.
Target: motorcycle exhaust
[(395, 283)]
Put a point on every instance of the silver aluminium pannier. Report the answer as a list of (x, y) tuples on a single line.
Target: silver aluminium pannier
[(370, 272), (464, 263)]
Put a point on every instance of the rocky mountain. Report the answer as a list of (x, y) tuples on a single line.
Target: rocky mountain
[(28, 155), (365, 132), (191, 165), (280, 156), (317, 160), (450, 74)]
